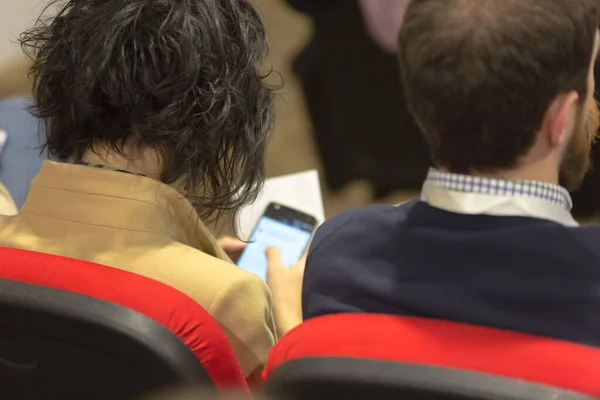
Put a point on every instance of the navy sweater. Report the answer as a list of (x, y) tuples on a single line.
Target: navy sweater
[(518, 273)]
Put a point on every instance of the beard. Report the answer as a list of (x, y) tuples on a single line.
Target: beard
[(576, 160)]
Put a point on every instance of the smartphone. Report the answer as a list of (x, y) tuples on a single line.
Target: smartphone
[(282, 227)]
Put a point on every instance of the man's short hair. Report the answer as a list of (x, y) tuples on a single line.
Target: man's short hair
[(180, 76), (479, 75)]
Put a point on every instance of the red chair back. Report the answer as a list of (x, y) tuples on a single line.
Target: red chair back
[(164, 304), (425, 341)]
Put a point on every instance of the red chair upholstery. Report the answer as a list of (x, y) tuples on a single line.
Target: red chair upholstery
[(425, 341), (167, 306)]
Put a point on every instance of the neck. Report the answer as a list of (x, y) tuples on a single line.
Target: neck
[(143, 161)]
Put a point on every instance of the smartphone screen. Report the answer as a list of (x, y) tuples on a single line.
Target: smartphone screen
[(282, 227)]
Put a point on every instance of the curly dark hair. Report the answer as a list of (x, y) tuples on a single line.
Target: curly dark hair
[(180, 76)]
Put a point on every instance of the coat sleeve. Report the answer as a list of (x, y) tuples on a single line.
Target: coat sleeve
[(243, 309)]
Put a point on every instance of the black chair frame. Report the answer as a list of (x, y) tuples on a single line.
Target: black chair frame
[(315, 378), (58, 344)]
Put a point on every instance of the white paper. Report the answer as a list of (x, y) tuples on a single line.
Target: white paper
[(300, 191)]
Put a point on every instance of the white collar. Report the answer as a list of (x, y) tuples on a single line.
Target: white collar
[(466, 194)]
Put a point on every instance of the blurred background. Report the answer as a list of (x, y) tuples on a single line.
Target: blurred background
[(340, 108)]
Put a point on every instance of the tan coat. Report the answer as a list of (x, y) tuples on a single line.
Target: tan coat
[(140, 225)]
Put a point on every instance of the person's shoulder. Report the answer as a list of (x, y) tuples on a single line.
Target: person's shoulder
[(200, 275), (355, 222), (375, 213), (587, 236), (205, 263)]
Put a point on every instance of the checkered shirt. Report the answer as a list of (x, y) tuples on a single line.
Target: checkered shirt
[(500, 187)]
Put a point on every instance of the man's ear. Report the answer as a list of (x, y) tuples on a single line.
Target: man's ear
[(560, 118)]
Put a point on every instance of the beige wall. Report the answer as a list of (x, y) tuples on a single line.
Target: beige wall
[(16, 16)]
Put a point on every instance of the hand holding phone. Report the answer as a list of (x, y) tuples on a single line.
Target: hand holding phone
[(286, 290), (281, 227)]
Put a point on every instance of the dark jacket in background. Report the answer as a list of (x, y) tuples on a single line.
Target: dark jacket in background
[(363, 129)]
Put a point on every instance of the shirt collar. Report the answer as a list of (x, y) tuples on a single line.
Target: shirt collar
[(468, 194)]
